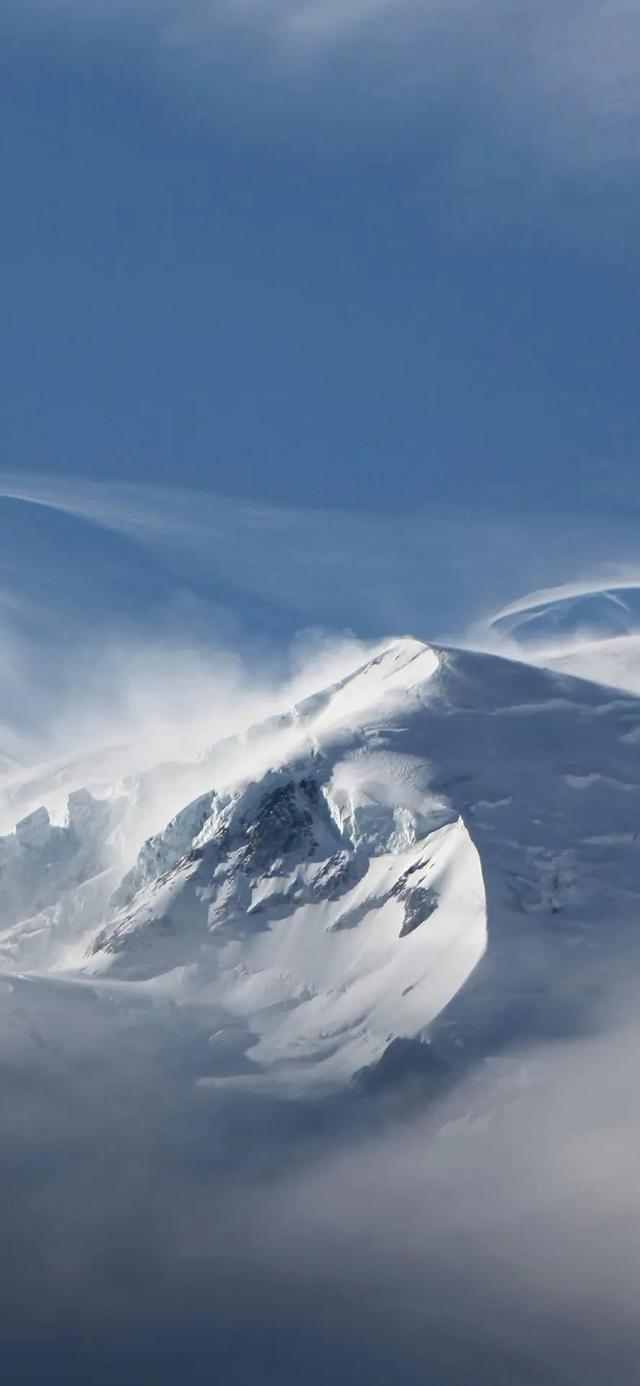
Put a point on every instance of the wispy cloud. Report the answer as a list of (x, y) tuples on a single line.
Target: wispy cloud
[(159, 615), (433, 573), (556, 80)]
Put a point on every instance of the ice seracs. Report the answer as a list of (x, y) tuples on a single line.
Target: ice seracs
[(41, 860)]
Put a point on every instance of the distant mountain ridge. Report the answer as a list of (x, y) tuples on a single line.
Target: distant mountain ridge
[(597, 614)]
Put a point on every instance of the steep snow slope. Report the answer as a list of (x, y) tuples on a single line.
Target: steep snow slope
[(616, 660), (445, 843)]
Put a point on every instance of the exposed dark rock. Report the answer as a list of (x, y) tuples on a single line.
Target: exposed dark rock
[(284, 824), (336, 875), (420, 902), (405, 1063)]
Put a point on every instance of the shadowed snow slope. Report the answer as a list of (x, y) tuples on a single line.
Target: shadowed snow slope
[(443, 845)]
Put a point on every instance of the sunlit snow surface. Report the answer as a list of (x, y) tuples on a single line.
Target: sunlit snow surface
[(442, 846)]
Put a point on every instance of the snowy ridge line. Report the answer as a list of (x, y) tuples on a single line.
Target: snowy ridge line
[(395, 857)]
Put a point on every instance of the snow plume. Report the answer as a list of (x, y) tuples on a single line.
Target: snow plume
[(141, 623), (154, 621), (125, 702), (152, 1233), (126, 640)]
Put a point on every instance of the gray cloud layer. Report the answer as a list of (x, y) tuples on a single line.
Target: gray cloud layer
[(150, 1230)]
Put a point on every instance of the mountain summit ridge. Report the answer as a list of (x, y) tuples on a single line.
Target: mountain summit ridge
[(441, 845)]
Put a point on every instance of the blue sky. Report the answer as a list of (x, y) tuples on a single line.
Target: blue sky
[(368, 271)]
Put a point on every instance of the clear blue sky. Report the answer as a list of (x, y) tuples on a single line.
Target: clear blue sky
[(316, 256)]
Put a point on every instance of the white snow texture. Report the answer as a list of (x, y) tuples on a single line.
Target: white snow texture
[(441, 841)]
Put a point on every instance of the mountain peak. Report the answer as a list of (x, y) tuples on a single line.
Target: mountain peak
[(389, 859)]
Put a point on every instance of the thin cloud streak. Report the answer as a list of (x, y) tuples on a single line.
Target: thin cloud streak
[(556, 80), (436, 574)]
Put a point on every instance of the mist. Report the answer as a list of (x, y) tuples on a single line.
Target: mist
[(153, 1229)]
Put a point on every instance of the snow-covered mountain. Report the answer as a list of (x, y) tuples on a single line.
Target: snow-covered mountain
[(559, 618), (443, 845), (593, 632)]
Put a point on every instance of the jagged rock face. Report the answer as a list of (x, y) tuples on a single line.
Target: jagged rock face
[(164, 850), (342, 895), (283, 824), (254, 859), (212, 858)]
